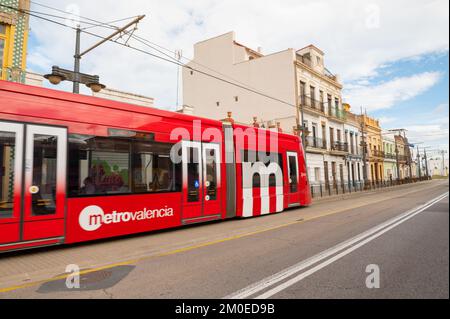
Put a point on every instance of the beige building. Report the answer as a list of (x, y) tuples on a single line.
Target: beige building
[(288, 79), (375, 154), (404, 155)]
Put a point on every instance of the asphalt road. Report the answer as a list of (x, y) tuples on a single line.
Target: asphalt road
[(318, 252)]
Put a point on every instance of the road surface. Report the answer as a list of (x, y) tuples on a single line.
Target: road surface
[(390, 243)]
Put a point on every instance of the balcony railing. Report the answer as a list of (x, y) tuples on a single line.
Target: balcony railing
[(316, 142), (325, 189), (312, 103), (403, 158), (390, 156), (337, 113), (377, 153), (339, 146)]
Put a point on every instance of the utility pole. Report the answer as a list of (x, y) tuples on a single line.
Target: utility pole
[(426, 162), (75, 76), (418, 162), (396, 158), (178, 56), (77, 57), (364, 148), (410, 161), (397, 151)]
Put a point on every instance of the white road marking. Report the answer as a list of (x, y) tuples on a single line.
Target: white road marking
[(363, 238)]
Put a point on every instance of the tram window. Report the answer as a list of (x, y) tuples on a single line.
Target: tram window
[(250, 156), (153, 170), (193, 172), (211, 174), (7, 158), (44, 174), (108, 166), (293, 178)]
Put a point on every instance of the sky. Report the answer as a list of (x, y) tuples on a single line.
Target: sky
[(392, 56)]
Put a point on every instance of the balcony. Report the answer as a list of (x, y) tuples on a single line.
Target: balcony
[(338, 114), (377, 153), (316, 142), (313, 104), (390, 156), (403, 158), (339, 147)]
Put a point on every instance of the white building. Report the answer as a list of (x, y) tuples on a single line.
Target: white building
[(438, 165), (390, 156), (288, 79), (354, 158)]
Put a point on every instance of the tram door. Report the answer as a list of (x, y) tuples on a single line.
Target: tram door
[(201, 181), (33, 182), (294, 180)]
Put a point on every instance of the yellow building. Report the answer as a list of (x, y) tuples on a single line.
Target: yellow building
[(13, 39), (375, 154)]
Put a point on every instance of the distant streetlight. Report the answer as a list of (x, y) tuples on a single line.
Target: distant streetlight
[(91, 81)]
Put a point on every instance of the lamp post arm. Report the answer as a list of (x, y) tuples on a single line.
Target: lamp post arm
[(112, 35)]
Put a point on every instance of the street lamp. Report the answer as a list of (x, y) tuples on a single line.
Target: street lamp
[(58, 75), (91, 81)]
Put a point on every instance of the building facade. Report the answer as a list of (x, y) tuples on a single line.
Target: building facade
[(320, 102), (390, 156), (404, 157), (14, 27), (297, 88), (438, 166), (354, 159), (375, 154)]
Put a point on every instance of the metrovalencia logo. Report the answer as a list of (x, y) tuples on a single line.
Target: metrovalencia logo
[(93, 217)]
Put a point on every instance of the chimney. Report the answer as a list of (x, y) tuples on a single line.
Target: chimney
[(255, 122), (229, 118)]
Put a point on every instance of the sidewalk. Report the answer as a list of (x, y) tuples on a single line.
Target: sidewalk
[(358, 194)]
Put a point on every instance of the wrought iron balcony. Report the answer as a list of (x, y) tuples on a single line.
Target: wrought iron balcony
[(339, 146), (377, 153), (309, 102), (337, 113), (316, 142), (390, 156)]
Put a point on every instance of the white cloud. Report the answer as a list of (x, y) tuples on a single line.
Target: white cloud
[(441, 108), (387, 94), (387, 119), (435, 132), (357, 36)]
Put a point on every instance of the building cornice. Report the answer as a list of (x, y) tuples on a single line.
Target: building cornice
[(321, 76), (8, 18)]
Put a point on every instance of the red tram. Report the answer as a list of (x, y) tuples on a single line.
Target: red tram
[(76, 168)]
